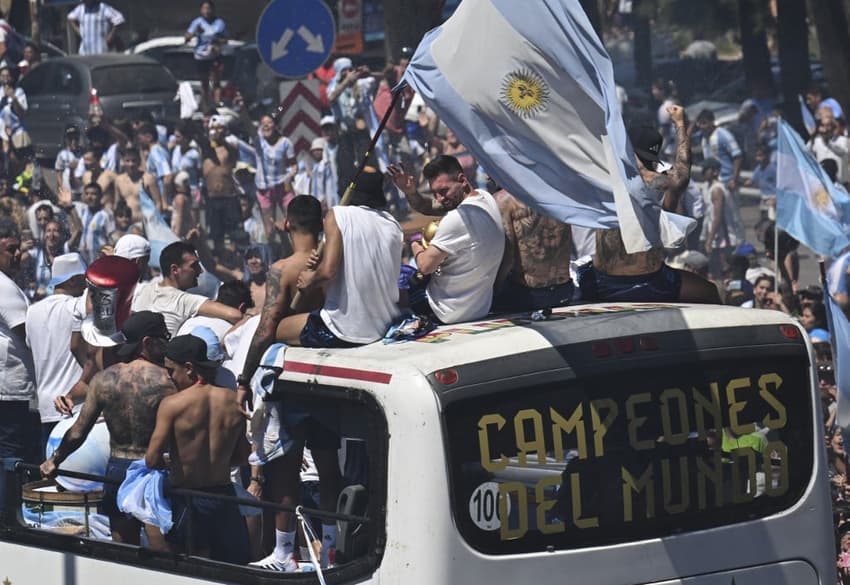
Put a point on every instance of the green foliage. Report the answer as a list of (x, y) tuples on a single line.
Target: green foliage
[(707, 18)]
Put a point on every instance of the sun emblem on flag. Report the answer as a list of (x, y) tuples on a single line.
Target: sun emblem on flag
[(525, 93), (821, 199)]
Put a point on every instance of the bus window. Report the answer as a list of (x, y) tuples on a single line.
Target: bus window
[(630, 456), (46, 515)]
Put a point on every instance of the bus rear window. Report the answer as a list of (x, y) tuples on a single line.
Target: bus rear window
[(630, 456)]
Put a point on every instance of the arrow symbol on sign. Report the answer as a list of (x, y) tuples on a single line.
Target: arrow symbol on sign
[(279, 47), (314, 42)]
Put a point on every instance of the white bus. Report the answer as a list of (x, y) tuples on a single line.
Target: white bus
[(611, 445)]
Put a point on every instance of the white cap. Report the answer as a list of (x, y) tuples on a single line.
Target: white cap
[(318, 144), (327, 121), (66, 267), (219, 121), (131, 246)]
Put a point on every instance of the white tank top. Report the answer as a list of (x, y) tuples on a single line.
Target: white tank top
[(362, 301)]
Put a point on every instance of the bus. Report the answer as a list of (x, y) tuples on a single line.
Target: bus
[(600, 444)]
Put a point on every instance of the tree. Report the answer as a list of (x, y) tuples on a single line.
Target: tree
[(752, 18), (834, 41), (793, 37), (407, 21), (642, 10)]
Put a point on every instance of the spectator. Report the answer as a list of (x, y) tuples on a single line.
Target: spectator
[(203, 430), (31, 58), (133, 181), (39, 260), (724, 222), (98, 224), (666, 94), (13, 107), (764, 179), (720, 144), (211, 33), (67, 160), (180, 271), (763, 289), (186, 163), (813, 316), (828, 143), (128, 395), (330, 133), (19, 430), (815, 100), (136, 249), (157, 161), (92, 171), (220, 156), (53, 334), (96, 23), (123, 221), (464, 256)]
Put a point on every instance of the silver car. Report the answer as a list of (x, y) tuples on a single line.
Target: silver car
[(58, 93)]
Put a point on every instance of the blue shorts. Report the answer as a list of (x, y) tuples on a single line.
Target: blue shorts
[(116, 469), (513, 297), (317, 334), (662, 285), (217, 526)]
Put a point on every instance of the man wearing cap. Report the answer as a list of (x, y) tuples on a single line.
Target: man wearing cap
[(137, 249), (53, 334), (643, 276), (723, 217), (128, 395), (464, 256), (181, 268), (18, 422), (203, 429)]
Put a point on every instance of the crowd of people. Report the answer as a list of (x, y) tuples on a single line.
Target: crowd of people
[(101, 314)]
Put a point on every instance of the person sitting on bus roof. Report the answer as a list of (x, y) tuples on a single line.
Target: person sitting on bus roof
[(463, 257), (203, 429), (616, 275)]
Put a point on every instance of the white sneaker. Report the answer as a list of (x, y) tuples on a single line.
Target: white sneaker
[(272, 563)]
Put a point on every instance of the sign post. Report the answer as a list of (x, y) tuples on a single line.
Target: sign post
[(295, 37)]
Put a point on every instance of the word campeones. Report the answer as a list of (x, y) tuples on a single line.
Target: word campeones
[(695, 414)]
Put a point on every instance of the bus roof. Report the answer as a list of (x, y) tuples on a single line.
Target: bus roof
[(453, 346)]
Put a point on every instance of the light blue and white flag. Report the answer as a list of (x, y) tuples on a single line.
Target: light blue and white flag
[(806, 113), (808, 205), (839, 330), (529, 89)]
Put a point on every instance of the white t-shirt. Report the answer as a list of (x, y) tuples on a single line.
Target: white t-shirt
[(219, 326), (362, 301), (237, 343), (473, 237), (176, 306), (50, 323), (17, 381)]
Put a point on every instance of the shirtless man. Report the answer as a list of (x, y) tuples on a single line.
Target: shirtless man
[(127, 395), (96, 173), (219, 159), (129, 184), (619, 276), (281, 476), (203, 430)]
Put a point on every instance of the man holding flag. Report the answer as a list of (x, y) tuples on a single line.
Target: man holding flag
[(536, 104)]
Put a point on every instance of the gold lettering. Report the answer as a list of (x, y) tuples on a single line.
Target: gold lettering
[(484, 442), (706, 474), (667, 486), (562, 426), (710, 405), (600, 428), (536, 444), (575, 493), (635, 422), (781, 419), (544, 505), (743, 487), (641, 484), (666, 398), (779, 474), (520, 504), (735, 406)]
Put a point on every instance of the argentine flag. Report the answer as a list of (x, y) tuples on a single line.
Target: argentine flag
[(808, 205), (529, 89)]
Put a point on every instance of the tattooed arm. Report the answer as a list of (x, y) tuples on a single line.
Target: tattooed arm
[(274, 310), (83, 425), (675, 182)]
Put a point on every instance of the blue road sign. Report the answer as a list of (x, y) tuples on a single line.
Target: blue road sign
[(294, 37)]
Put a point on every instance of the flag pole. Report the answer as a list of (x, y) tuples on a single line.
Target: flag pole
[(776, 258), (396, 96)]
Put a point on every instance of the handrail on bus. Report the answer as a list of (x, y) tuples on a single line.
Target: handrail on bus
[(20, 465)]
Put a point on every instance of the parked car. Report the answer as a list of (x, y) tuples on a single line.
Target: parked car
[(58, 93)]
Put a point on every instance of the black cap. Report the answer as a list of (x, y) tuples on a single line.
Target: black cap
[(71, 130), (138, 326), (646, 142), (191, 349)]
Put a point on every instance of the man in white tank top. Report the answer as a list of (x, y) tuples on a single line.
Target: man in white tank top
[(359, 270)]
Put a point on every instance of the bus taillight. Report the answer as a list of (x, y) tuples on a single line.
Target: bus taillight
[(789, 331)]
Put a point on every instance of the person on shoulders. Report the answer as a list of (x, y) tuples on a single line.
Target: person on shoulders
[(464, 256)]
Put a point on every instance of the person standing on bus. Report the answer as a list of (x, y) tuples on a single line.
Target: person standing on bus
[(203, 430), (128, 395)]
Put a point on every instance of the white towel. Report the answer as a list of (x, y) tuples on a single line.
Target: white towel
[(186, 97)]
